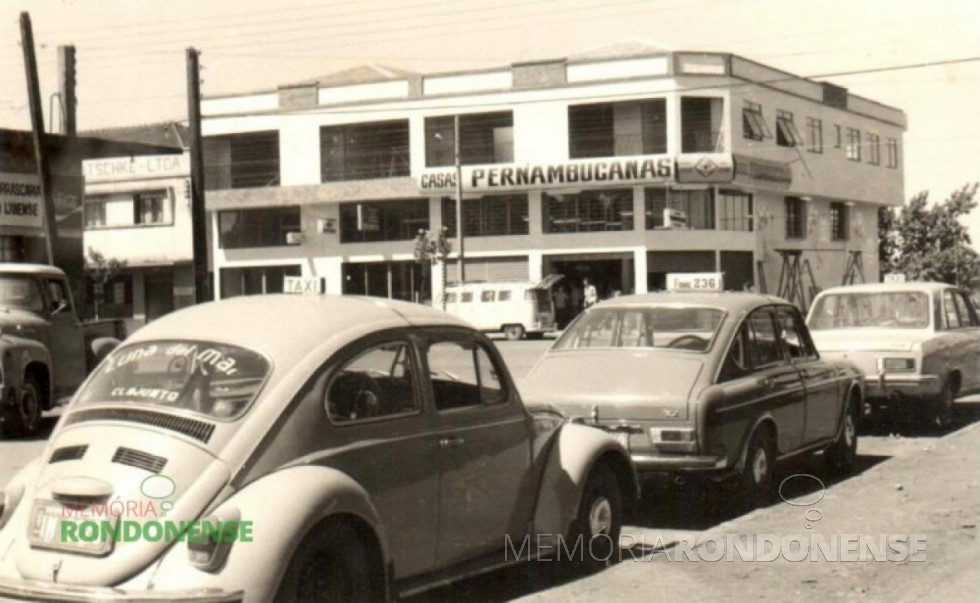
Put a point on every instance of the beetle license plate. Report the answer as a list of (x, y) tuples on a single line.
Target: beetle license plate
[(54, 526)]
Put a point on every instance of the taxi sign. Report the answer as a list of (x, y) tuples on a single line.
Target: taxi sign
[(695, 281), (895, 277), (300, 285)]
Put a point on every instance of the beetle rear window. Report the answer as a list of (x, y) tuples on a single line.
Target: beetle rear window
[(212, 379)]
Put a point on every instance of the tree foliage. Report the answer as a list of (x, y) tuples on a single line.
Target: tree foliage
[(431, 248), (928, 242), (101, 271)]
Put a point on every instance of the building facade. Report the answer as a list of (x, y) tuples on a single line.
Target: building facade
[(137, 211), (620, 166)]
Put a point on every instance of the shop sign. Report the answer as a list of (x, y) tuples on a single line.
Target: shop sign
[(751, 170), (577, 173), (705, 168), (127, 168), (20, 201)]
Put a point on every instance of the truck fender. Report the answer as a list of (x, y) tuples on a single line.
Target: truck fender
[(17, 354), (282, 507), (570, 461)]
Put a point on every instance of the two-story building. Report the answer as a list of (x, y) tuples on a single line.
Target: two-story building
[(621, 165), (137, 211)]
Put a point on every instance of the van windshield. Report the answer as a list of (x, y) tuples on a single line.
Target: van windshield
[(213, 379)]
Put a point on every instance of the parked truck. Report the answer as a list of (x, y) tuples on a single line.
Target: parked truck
[(45, 350)]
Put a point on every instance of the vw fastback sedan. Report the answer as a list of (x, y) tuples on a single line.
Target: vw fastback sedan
[(301, 448), (705, 383), (917, 344)]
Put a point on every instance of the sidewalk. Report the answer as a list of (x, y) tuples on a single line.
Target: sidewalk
[(935, 493)]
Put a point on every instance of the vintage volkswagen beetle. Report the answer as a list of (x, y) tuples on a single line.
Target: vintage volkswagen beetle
[(708, 384), (916, 343), (300, 447)]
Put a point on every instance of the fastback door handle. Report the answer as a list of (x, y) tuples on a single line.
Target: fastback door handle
[(767, 382), (450, 442)]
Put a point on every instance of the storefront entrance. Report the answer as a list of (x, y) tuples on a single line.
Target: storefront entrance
[(394, 280), (611, 273)]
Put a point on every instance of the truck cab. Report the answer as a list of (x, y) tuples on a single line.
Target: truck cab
[(45, 351)]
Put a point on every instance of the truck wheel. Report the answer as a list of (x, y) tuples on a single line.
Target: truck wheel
[(331, 564), (757, 481), (23, 418), (842, 453), (513, 332), (600, 519)]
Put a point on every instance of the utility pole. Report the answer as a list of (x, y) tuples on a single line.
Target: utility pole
[(37, 126), (459, 203), (198, 215), (66, 78)]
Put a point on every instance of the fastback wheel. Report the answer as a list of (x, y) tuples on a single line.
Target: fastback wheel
[(331, 564), (23, 417), (513, 332), (757, 480), (600, 518), (841, 454)]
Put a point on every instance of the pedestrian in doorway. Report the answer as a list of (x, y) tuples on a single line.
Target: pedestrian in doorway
[(590, 294), (560, 297), (576, 299)]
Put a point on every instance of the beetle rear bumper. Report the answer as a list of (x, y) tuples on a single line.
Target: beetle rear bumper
[(18, 590)]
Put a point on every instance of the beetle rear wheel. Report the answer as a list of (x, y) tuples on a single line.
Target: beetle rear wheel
[(23, 417), (331, 564)]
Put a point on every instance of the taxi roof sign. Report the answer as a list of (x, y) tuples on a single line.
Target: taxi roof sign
[(695, 281), (300, 285)]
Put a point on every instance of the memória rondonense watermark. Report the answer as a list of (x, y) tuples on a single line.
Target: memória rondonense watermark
[(895, 548)]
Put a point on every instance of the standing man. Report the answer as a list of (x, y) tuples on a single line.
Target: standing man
[(590, 293), (561, 306)]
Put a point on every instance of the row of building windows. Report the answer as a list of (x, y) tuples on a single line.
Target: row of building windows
[(754, 127), (375, 150), (798, 228), (498, 215), (147, 208)]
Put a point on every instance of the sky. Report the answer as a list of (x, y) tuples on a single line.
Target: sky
[(922, 57)]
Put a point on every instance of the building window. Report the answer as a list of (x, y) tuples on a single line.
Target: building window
[(753, 124), (734, 210), (838, 137), (152, 208), (123, 210), (364, 151), (381, 220), (795, 218), (786, 133), (814, 128), (617, 129), (113, 299), (248, 160), (491, 215), (588, 211), (255, 280), (12, 248), (701, 125), (266, 227), (95, 211), (839, 222), (853, 144), (698, 207), (874, 149), (483, 138), (892, 145)]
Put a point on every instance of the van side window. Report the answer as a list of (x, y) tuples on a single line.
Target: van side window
[(487, 296), (467, 297), (450, 298), (503, 295)]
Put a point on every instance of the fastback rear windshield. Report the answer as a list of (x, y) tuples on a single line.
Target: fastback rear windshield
[(684, 327), (213, 379)]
